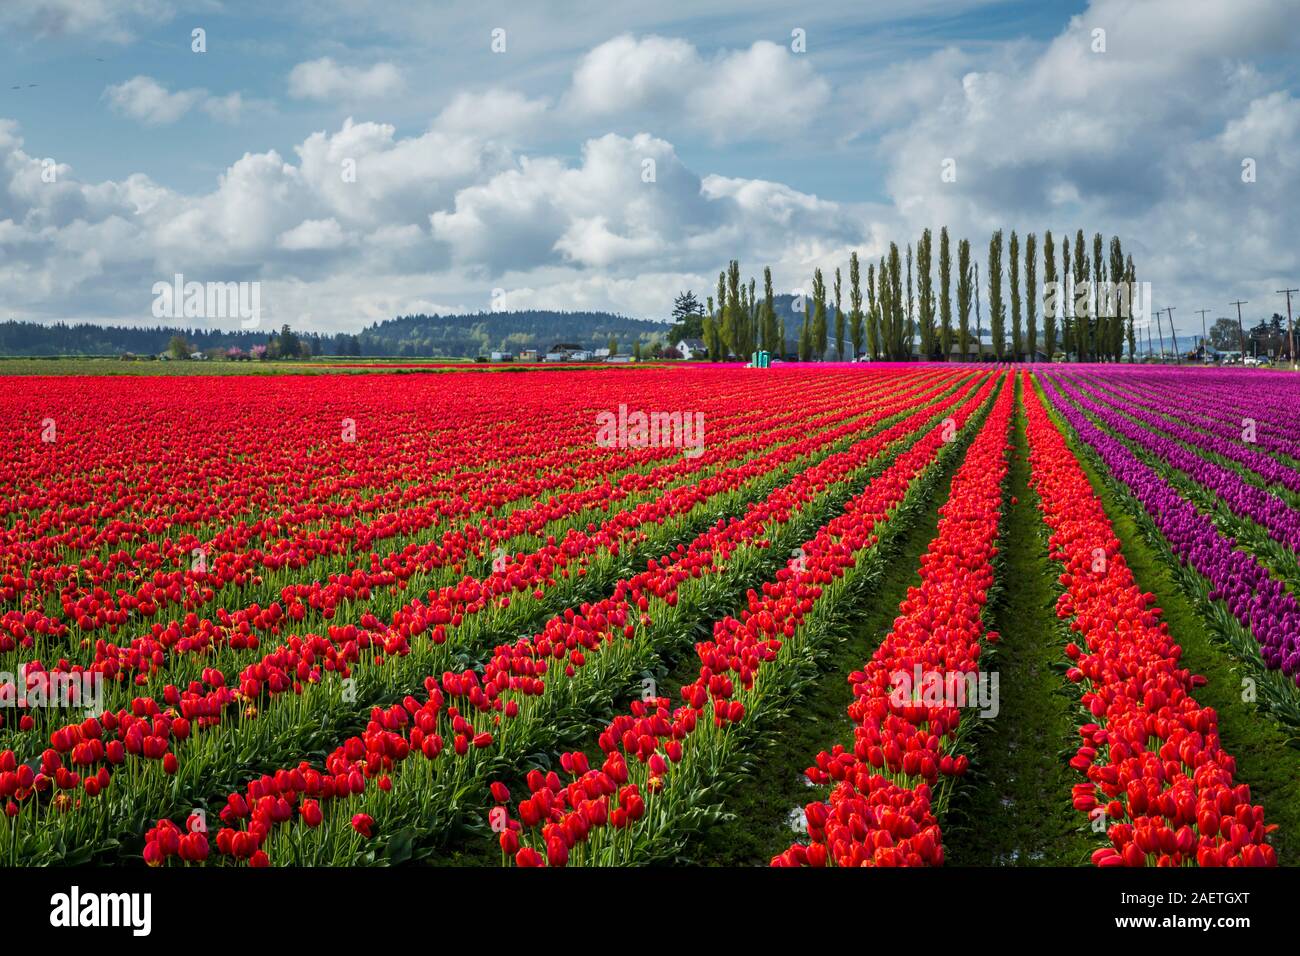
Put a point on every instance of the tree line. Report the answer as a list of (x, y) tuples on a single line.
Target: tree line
[(460, 335), (1087, 299)]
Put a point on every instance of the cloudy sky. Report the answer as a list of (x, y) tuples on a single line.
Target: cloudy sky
[(365, 158)]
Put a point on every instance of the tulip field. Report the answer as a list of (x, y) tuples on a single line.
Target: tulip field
[(807, 616)]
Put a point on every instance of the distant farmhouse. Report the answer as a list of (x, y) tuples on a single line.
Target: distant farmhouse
[(567, 352), (562, 352)]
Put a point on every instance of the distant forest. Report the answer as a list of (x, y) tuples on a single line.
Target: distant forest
[(423, 336)]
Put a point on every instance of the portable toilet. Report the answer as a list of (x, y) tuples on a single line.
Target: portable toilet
[(761, 359)]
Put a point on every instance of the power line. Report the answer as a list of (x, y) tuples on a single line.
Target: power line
[(1290, 328), (1241, 333), (1205, 354)]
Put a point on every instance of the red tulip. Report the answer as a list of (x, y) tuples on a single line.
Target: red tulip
[(311, 813), (528, 857)]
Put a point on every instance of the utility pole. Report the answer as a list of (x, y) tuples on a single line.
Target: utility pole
[(1161, 330), (1174, 334), (1205, 352), (1150, 351), (1241, 332), (1290, 329)]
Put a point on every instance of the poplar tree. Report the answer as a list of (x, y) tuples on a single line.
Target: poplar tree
[(1131, 278), (1031, 296), (1081, 309), (856, 330), (964, 296), (732, 315), (1115, 297), (896, 306), (886, 310), (911, 324), (1067, 300), (873, 314), (1013, 270), (819, 340), (1050, 315), (925, 293), (718, 319), (1100, 326), (997, 308), (945, 296)]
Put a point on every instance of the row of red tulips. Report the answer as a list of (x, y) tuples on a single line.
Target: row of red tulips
[(883, 808), (1157, 774), (662, 764)]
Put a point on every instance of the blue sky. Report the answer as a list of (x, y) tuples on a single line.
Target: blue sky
[(516, 172), (253, 53)]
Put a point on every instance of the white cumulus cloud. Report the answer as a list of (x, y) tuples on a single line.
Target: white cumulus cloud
[(324, 79), (761, 92), (145, 100)]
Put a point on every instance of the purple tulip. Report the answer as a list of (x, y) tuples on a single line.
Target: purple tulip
[(1260, 602)]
